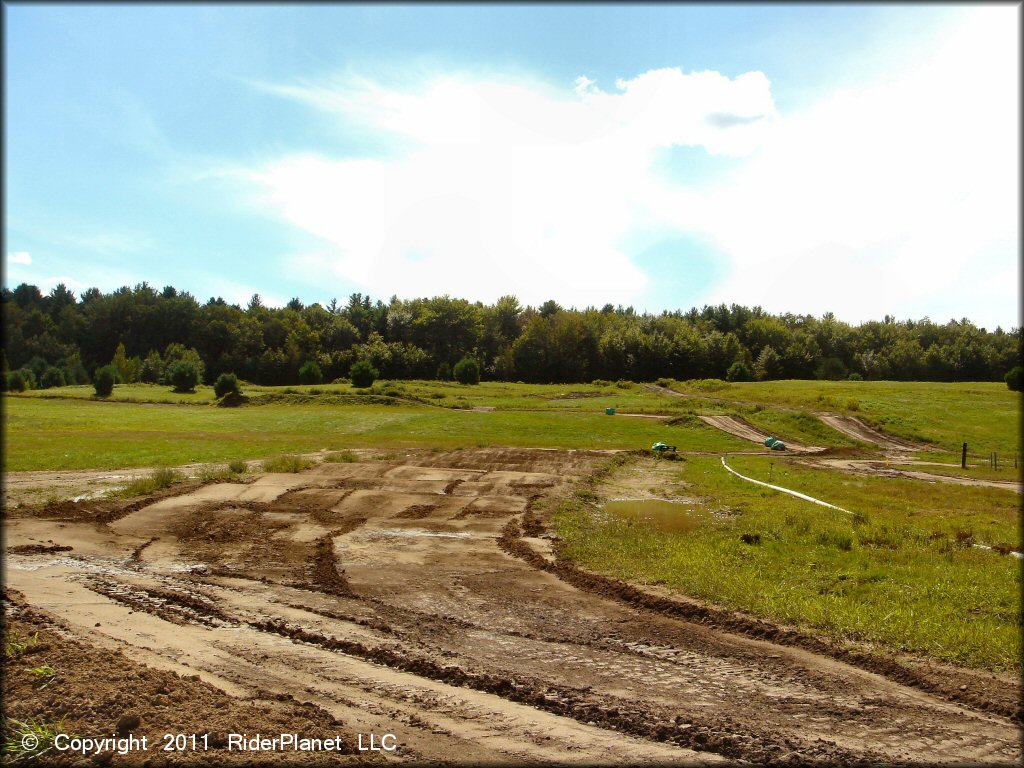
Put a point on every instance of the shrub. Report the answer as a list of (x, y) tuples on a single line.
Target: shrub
[(624, 384), (341, 457), (286, 463), (1014, 378), (238, 466), (667, 383), (16, 382), (183, 375), (310, 373), (363, 374), (226, 382), (52, 377), (444, 372), (855, 377), (738, 371), (103, 380), (467, 371), (31, 380)]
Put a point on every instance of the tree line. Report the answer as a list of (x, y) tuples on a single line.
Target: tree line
[(58, 338)]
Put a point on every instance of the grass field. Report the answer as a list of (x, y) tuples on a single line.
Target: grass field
[(61, 433), (901, 572)]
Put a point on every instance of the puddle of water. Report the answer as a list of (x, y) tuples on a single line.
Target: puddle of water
[(665, 516)]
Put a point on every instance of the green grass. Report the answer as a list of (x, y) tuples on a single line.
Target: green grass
[(61, 433), (899, 573), (984, 414), (18, 734), (17, 642)]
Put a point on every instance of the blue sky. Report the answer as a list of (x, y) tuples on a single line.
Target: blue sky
[(855, 159)]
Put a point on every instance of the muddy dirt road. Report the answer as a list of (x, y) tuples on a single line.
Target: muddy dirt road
[(420, 597)]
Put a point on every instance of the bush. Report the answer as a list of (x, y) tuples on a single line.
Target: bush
[(103, 380), (286, 463), (624, 384), (52, 377), (363, 374), (855, 377), (237, 466), (444, 372), (1014, 378), (738, 371), (183, 375), (667, 383), (226, 382), (467, 371), (16, 382), (341, 457), (310, 373)]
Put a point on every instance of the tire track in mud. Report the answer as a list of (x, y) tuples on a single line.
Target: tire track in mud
[(722, 736), (511, 542)]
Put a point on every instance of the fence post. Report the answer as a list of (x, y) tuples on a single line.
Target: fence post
[(963, 457)]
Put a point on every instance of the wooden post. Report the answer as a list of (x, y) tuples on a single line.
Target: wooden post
[(963, 457), (995, 458)]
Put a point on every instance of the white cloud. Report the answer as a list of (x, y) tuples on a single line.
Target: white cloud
[(19, 257), (502, 187), (897, 197)]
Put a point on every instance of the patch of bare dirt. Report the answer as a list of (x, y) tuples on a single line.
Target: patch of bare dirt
[(423, 597)]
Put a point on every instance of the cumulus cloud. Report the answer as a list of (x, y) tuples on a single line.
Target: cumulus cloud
[(497, 186), (899, 196), (19, 257)]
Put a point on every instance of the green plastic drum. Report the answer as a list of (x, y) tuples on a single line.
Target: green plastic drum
[(778, 445), (609, 411), (769, 441)]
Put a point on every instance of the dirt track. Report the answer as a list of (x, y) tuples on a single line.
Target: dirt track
[(736, 426), (421, 598)]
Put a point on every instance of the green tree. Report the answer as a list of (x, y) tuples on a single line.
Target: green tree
[(363, 374), (738, 371), (467, 371), (183, 375), (226, 382), (52, 377), (1014, 378), (103, 380), (310, 373), (16, 382), (769, 364)]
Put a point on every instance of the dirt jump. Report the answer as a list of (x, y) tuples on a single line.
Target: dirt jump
[(421, 597), (739, 428), (858, 430)]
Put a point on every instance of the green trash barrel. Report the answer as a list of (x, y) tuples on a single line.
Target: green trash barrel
[(609, 411), (769, 441), (778, 445)]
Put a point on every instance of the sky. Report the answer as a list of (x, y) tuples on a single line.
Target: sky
[(855, 159)]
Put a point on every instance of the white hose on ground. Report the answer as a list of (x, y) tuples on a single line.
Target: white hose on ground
[(803, 496)]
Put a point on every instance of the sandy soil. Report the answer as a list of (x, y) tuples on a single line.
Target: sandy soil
[(422, 597)]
